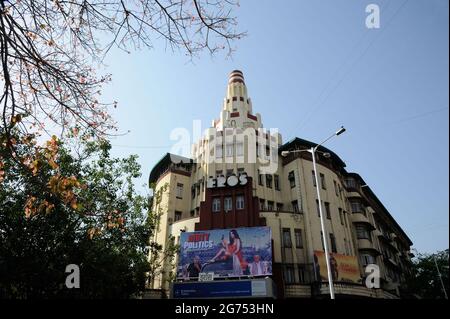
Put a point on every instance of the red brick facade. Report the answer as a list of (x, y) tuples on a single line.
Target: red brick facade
[(247, 217)]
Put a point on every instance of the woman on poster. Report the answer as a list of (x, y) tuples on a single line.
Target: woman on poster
[(232, 249)]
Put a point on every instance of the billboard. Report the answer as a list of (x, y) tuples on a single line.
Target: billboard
[(343, 268), (226, 252)]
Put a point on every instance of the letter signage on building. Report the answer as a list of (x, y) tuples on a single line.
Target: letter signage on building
[(222, 181), (226, 253)]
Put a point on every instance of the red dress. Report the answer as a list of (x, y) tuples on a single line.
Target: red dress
[(232, 250)]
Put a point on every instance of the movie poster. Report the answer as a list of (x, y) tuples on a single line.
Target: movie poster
[(343, 268), (226, 252)]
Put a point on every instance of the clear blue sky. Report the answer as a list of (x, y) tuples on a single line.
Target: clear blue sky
[(311, 66)]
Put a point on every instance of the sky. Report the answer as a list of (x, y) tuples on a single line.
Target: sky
[(310, 67)]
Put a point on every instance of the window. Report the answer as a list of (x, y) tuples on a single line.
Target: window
[(276, 179), (269, 205), (279, 207), (301, 275), (177, 215), (356, 207), (321, 239), (216, 205), (262, 205), (192, 213), (268, 180), (229, 150), (228, 204), (336, 188), (289, 275), (179, 190), (367, 259), (291, 178), (219, 151), (327, 210), (198, 188), (295, 207), (240, 202), (340, 191), (362, 232), (350, 183), (193, 191), (322, 181), (197, 211), (240, 149), (287, 238), (345, 218), (260, 179), (298, 238), (333, 243), (314, 178), (341, 217), (318, 207)]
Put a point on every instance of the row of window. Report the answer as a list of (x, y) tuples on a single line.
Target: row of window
[(291, 179), (332, 242), (295, 274), (230, 150), (270, 180), (272, 206), (227, 203), (342, 214), (286, 238)]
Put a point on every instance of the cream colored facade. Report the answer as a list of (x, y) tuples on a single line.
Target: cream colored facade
[(357, 220)]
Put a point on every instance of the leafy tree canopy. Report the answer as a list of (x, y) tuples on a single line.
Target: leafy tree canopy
[(425, 280), (71, 205)]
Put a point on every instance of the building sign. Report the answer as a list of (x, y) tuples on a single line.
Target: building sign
[(226, 253), (256, 288), (343, 268), (222, 181)]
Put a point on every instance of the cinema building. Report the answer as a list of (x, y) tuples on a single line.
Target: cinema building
[(236, 178)]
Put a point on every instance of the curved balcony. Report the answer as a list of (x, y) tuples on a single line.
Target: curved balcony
[(365, 244), (361, 218), (353, 194)]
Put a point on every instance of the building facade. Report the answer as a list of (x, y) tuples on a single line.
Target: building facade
[(280, 194)]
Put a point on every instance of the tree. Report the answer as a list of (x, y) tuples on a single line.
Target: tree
[(48, 48), (424, 280), (88, 214)]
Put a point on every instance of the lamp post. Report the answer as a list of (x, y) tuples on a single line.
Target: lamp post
[(313, 151)]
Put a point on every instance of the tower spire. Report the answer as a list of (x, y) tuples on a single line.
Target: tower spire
[(237, 106)]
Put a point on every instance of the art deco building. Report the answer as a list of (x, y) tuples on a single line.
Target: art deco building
[(281, 194)]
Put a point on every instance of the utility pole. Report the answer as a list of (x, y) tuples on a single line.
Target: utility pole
[(440, 277)]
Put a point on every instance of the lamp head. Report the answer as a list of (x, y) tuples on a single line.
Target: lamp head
[(285, 153), (340, 131)]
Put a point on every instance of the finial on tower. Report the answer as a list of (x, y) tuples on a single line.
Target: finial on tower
[(236, 76)]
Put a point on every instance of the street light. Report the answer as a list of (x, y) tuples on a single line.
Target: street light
[(313, 151)]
